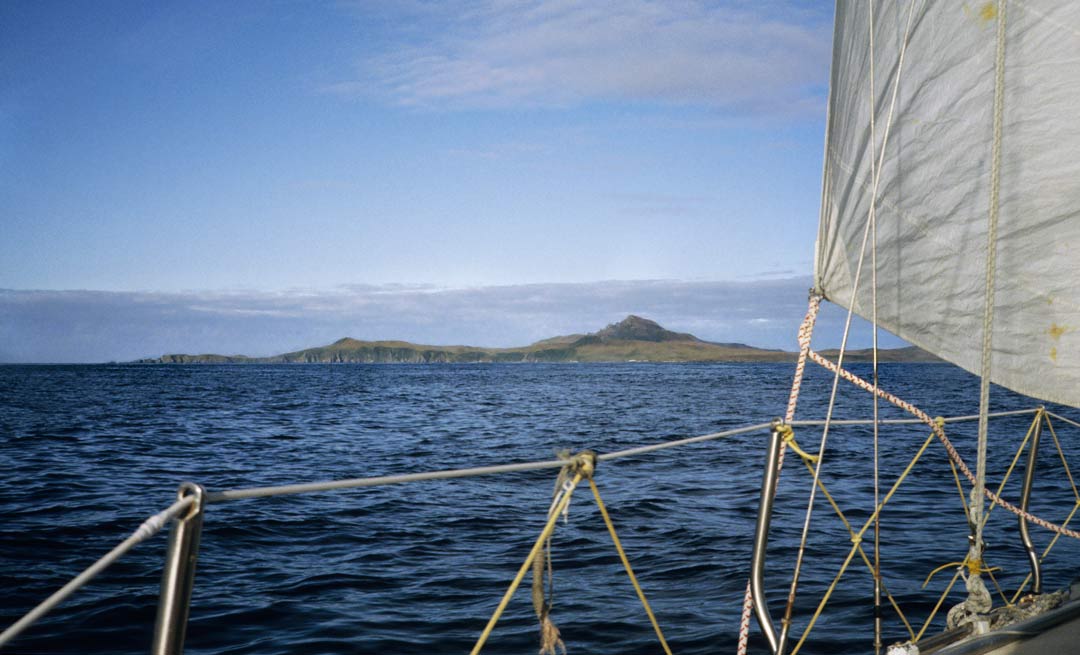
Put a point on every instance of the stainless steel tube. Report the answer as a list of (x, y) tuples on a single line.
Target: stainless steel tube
[(1029, 478), (178, 576), (761, 540)]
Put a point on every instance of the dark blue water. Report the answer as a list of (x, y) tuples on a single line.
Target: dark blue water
[(87, 452)]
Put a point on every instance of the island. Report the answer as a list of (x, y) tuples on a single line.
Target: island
[(634, 339)]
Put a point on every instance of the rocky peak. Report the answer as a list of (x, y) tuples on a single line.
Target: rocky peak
[(636, 328)]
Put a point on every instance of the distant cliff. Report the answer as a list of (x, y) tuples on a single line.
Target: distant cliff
[(634, 339)]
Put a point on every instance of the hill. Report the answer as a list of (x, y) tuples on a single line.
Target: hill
[(634, 339)]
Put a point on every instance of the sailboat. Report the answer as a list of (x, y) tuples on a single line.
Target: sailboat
[(950, 217)]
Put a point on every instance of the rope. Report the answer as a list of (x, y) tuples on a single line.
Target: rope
[(941, 601), (874, 570), (874, 331), (806, 333), (581, 466), (949, 448), (1076, 494), (789, 439), (1061, 453), (626, 565), (988, 312), (545, 534), (352, 483), (847, 324), (1063, 419), (856, 541), (149, 528)]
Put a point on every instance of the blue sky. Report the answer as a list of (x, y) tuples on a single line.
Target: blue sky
[(181, 155)]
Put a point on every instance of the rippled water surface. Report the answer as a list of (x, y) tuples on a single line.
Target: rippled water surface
[(88, 452)]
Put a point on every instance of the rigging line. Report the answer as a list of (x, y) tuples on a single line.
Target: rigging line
[(805, 336), (545, 534), (626, 565), (862, 553), (874, 326), (630, 452), (309, 487), (953, 454), (959, 487), (1063, 419), (149, 528), (847, 323), (911, 421), (941, 601), (991, 260), (856, 542), (1042, 558), (1012, 465), (1061, 453)]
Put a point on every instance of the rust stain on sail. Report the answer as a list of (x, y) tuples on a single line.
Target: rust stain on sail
[(1055, 331)]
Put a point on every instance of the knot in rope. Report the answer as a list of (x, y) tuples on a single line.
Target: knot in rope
[(583, 463), (939, 421), (787, 433)]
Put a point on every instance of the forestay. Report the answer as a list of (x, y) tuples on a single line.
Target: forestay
[(933, 195)]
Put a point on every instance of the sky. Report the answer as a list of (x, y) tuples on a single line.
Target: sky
[(260, 176)]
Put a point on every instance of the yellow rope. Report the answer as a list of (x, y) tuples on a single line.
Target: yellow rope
[(1001, 592), (862, 553), (857, 540), (1072, 483), (939, 569), (1046, 552), (941, 600), (789, 438), (626, 564), (1061, 452), (582, 466), (544, 534), (959, 488), (1016, 458), (896, 606)]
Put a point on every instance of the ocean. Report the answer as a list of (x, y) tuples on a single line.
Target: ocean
[(88, 452)]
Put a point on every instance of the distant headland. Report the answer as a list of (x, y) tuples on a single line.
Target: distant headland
[(634, 339)]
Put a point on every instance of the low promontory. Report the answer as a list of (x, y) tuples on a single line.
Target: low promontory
[(634, 339)]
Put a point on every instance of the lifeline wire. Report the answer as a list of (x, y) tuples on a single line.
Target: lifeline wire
[(258, 492), (149, 528), (351, 483)]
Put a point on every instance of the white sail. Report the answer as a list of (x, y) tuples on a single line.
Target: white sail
[(933, 195)]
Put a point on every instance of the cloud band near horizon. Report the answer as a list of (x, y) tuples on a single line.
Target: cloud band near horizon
[(81, 326)]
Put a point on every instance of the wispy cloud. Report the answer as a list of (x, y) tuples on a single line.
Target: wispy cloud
[(90, 326), (737, 56)]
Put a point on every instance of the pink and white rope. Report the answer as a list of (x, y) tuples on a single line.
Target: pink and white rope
[(806, 331), (949, 448)]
